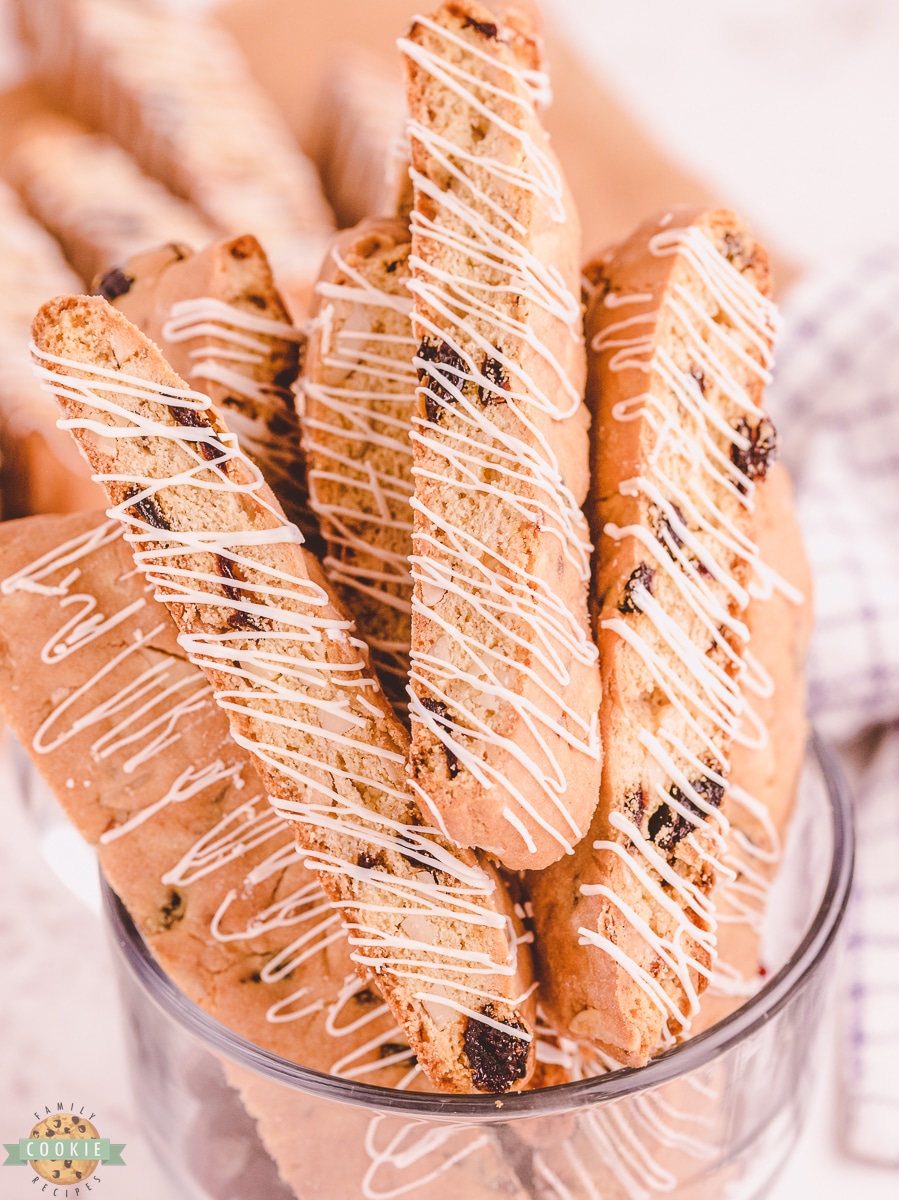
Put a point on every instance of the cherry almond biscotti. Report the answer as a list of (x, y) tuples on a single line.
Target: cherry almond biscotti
[(679, 332), (255, 614), (504, 690)]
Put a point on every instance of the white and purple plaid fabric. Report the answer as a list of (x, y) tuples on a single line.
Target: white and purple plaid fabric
[(836, 400)]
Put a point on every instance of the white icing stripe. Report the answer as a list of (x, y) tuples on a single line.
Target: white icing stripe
[(407, 1153), (463, 450), (144, 733), (189, 783), (332, 694)]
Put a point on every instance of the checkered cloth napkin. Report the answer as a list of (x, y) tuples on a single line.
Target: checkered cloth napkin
[(836, 401)]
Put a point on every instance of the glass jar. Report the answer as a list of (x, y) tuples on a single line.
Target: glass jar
[(713, 1118)]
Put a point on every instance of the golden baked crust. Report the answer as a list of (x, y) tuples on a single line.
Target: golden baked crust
[(679, 332), (763, 779), (256, 615), (504, 684)]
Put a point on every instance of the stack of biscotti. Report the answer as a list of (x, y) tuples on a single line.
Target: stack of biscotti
[(92, 196), (175, 91), (361, 463), (39, 472), (610, 704), (222, 324)]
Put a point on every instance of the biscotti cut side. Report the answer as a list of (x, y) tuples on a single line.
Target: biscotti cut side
[(126, 733), (358, 402), (221, 324), (505, 682), (92, 196), (679, 332), (256, 616), (176, 91)]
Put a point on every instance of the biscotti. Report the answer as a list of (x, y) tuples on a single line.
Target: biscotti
[(176, 91), (504, 689), (94, 198), (430, 923), (221, 324), (40, 472), (680, 333), (126, 733), (357, 408)]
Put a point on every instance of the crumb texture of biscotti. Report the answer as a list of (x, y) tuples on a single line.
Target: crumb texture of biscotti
[(126, 733), (505, 687), (358, 401), (679, 334), (429, 923), (221, 323)]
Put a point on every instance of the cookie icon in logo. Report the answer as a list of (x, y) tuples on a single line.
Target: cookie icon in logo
[(64, 1170)]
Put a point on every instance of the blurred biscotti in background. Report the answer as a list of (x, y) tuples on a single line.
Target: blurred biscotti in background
[(178, 93), (41, 471), (93, 197)]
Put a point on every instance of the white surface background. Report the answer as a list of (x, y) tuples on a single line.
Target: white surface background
[(789, 108)]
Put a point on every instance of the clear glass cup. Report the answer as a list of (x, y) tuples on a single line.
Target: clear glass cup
[(713, 1118)]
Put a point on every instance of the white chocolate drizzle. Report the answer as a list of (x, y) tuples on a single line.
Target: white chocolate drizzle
[(627, 1143), (513, 474), (326, 697)]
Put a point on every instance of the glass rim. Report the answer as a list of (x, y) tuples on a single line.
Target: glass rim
[(678, 1061)]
